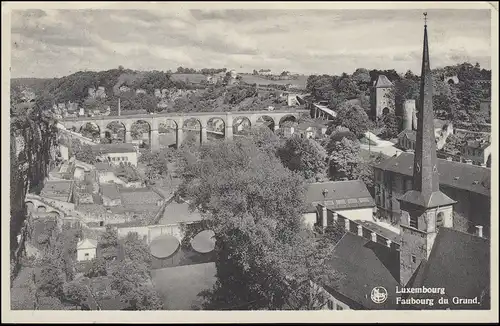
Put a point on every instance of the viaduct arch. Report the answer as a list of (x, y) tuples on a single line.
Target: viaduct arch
[(177, 121)]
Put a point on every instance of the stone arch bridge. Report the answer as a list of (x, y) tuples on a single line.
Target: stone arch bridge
[(275, 119)]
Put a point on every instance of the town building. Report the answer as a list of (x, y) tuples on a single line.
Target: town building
[(477, 152), (442, 129), (306, 130), (110, 195), (381, 100), (61, 190), (350, 198), (116, 153), (425, 251), (86, 249)]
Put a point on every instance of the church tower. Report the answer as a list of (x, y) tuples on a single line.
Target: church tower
[(425, 208)]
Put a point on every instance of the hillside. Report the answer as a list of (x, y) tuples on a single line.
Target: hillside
[(300, 82)]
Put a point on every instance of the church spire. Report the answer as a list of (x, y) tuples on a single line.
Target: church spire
[(425, 173), (426, 191)]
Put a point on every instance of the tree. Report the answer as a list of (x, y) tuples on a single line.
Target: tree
[(84, 153), (361, 75), (345, 160), (108, 243), (145, 298), (306, 157), (339, 135), (77, 293), (391, 125), (265, 139), (254, 205), (136, 249), (353, 117), (127, 275), (50, 279), (97, 267)]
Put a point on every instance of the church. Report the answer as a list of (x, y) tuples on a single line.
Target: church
[(424, 263)]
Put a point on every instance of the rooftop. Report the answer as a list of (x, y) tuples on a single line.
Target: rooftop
[(57, 187), (459, 262), (110, 191), (478, 144), (114, 148), (452, 174), (338, 195), (382, 81), (364, 265), (175, 213), (87, 244)]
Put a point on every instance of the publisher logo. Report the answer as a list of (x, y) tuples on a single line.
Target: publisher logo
[(379, 294)]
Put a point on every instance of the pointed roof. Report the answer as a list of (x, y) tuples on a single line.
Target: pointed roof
[(87, 244), (383, 81), (426, 191)]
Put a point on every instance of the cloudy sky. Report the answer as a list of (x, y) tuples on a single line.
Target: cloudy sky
[(54, 43)]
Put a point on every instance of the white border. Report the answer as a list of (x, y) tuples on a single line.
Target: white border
[(235, 316)]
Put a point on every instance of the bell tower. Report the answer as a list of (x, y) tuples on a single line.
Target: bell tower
[(425, 208)]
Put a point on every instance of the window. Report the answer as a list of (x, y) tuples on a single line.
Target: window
[(331, 305), (439, 219), (413, 259), (414, 222)]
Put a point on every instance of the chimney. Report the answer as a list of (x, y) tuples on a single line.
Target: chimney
[(479, 229), (360, 230), (347, 224), (374, 237), (389, 242), (335, 216), (324, 217), (449, 158)]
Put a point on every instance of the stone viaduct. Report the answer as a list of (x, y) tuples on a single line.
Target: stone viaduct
[(178, 120)]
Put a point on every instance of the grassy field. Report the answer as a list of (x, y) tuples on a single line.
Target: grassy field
[(193, 78), (251, 79)]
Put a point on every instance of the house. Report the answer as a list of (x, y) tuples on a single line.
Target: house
[(369, 258), (468, 184), (477, 152), (110, 195), (86, 249), (116, 153), (351, 198), (426, 255), (406, 139), (442, 129)]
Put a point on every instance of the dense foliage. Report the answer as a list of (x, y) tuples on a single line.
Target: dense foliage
[(458, 102), (265, 258)]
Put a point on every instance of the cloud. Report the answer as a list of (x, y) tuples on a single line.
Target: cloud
[(53, 43)]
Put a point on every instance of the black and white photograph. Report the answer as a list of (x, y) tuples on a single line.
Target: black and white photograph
[(279, 157)]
